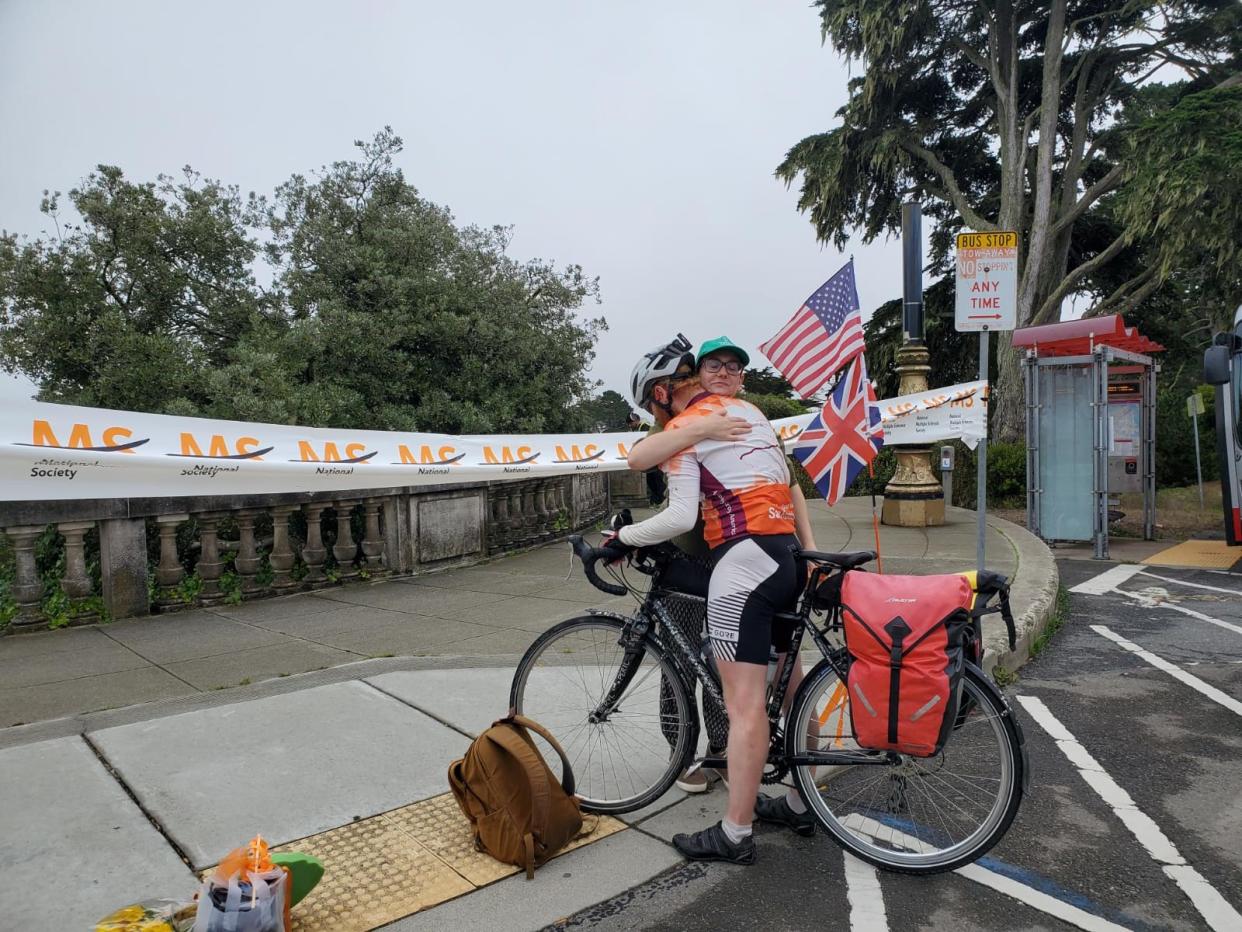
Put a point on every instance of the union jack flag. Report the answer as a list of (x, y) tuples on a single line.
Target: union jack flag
[(844, 437)]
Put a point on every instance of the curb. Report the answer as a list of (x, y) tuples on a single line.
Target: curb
[(1033, 597)]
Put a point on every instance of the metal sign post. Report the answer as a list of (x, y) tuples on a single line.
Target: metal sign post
[(987, 292), (1194, 407), (981, 501)]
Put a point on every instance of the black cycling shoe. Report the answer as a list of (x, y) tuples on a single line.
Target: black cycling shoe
[(775, 810), (712, 844)]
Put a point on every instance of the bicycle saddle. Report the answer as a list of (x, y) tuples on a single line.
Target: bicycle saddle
[(846, 561)]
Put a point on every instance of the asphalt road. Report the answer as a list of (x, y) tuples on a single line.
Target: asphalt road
[(1134, 819)]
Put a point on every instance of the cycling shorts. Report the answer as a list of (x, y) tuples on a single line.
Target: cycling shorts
[(754, 578)]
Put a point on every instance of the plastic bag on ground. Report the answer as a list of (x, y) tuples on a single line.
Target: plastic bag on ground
[(245, 893)]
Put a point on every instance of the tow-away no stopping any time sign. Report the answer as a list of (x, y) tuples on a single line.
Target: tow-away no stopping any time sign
[(987, 281)]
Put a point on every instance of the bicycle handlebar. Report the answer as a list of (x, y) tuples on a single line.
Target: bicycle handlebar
[(590, 556)]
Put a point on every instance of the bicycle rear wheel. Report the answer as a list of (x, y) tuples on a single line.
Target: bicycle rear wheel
[(628, 756), (920, 815)]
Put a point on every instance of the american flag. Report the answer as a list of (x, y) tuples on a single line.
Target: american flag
[(823, 335), (844, 437)]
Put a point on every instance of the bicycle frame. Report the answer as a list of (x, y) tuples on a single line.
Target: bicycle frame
[(639, 627)]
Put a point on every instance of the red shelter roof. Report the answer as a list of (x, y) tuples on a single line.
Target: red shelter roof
[(1075, 337)]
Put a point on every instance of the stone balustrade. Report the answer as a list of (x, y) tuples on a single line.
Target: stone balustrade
[(168, 554)]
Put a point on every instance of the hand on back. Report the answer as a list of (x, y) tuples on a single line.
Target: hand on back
[(721, 425)]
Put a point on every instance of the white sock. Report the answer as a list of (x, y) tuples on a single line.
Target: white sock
[(735, 833), (793, 799)]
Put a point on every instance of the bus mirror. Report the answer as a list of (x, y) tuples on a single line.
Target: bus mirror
[(1229, 339), (1216, 365)]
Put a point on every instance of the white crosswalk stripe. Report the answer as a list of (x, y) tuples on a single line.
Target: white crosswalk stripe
[(1109, 580), (1214, 908), (866, 898), (1152, 603), (1200, 686)]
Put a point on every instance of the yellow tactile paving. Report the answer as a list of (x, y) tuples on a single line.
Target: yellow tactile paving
[(1206, 554), (438, 824), (374, 874), (380, 869)]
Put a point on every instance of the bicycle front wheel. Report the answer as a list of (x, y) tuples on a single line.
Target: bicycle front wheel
[(919, 815), (624, 757)]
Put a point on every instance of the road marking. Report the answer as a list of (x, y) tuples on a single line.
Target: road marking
[(866, 898), (1015, 889), (1037, 899), (1207, 689), (1213, 907), (1195, 585), (1156, 603), (1109, 580)]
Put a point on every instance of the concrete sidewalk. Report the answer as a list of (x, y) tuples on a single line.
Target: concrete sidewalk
[(491, 612), (103, 807)]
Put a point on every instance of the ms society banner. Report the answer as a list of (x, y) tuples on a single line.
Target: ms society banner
[(50, 451)]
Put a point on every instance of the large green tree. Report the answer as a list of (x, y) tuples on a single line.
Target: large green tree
[(403, 320), (606, 412), (1002, 115), (381, 312), (134, 304)]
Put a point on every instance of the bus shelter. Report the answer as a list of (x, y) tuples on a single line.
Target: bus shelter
[(1090, 427)]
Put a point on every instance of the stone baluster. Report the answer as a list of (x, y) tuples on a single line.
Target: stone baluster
[(170, 572), (513, 527), (75, 582), (601, 495), (314, 553), (542, 510), (373, 540), (27, 586), (559, 492), (530, 515), (210, 566), (247, 561), (281, 557), (555, 525), (500, 518), (345, 550)]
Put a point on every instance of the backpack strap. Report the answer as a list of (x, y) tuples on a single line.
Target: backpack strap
[(1007, 615), (567, 771), (540, 796)]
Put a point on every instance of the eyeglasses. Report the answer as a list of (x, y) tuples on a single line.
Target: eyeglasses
[(733, 367)]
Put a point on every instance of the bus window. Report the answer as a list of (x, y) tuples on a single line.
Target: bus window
[(1235, 386)]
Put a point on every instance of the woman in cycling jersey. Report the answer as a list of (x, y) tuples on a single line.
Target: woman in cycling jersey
[(749, 523), (720, 367)]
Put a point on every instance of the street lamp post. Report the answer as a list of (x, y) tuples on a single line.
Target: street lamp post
[(913, 497)]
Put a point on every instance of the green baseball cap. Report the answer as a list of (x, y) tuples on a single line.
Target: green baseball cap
[(718, 344)]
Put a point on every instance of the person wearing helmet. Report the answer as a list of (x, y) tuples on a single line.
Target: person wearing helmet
[(670, 368), (720, 366), (749, 525)]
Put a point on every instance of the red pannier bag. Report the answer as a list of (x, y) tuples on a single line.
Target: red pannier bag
[(906, 637)]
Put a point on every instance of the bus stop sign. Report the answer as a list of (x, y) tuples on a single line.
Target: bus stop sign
[(987, 281)]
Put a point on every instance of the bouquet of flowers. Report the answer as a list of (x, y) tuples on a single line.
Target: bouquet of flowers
[(150, 916)]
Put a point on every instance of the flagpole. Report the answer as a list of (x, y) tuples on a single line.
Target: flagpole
[(875, 519)]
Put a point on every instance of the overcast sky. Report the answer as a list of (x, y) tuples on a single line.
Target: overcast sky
[(637, 139)]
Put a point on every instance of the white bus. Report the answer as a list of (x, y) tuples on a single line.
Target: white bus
[(1222, 367)]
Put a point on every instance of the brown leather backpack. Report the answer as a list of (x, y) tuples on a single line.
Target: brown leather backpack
[(519, 813)]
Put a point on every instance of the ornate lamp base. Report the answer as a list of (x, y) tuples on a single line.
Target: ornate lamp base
[(913, 497)]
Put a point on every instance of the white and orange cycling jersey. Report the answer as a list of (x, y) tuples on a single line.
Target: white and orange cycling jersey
[(743, 484)]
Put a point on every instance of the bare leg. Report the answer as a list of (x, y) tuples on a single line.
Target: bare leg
[(795, 678), (744, 687)]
